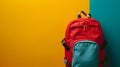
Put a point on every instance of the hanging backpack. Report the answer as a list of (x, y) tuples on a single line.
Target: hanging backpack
[(84, 43)]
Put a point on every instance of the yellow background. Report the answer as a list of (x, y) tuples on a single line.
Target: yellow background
[(31, 31)]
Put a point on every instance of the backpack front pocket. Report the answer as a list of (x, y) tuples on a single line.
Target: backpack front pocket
[(85, 54)]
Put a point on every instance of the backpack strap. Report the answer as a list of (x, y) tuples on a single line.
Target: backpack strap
[(65, 45)]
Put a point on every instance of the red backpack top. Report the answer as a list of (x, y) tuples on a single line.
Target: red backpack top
[(84, 43)]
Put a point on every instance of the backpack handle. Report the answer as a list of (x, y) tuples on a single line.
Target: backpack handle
[(82, 12)]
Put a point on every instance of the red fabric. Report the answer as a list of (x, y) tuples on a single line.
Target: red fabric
[(84, 29)]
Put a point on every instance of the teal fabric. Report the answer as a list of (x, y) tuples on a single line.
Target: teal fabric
[(85, 54), (107, 12)]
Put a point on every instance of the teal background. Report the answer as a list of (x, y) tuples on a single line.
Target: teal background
[(107, 12)]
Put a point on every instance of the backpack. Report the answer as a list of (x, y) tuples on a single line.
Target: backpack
[(84, 43)]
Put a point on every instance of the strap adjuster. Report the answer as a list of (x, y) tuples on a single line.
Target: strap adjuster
[(103, 45), (65, 45), (67, 62), (101, 62)]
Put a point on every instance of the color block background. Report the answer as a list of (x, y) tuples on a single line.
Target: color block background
[(108, 13), (31, 31)]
